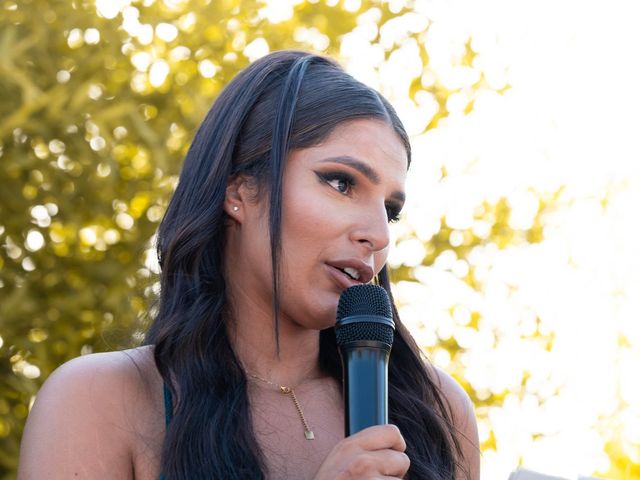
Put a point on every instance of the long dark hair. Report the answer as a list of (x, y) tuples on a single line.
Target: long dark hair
[(284, 101)]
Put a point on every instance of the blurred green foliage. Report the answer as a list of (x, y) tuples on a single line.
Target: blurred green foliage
[(90, 152), (96, 116)]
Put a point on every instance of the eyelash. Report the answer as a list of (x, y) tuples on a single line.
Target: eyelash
[(393, 212), (330, 177)]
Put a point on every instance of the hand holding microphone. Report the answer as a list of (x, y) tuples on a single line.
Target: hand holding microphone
[(373, 453), (364, 335)]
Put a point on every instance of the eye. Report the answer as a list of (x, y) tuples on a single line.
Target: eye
[(339, 181), (393, 212)]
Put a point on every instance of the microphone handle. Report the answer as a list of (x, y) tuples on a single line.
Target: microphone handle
[(364, 368)]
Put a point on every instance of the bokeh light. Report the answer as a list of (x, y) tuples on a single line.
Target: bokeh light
[(544, 330)]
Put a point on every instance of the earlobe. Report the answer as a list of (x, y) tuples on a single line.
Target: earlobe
[(235, 198)]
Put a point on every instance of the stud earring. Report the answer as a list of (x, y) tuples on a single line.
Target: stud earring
[(236, 208)]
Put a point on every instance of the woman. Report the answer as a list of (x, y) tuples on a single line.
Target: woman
[(283, 202)]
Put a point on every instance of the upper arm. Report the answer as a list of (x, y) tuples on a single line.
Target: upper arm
[(77, 428), (464, 421)]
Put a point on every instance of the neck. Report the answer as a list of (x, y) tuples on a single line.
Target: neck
[(291, 360)]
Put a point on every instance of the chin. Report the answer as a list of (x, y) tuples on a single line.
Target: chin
[(315, 312), (323, 318)]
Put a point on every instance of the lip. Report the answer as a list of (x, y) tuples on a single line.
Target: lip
[(364, 270)]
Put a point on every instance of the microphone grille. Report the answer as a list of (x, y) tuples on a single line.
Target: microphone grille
[(365, 299), (369, 302), (358, 331)]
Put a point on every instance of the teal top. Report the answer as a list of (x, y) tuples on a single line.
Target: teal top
[(168, 405), (168, 411)]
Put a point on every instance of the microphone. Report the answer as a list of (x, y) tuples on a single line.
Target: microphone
[(364, 335)]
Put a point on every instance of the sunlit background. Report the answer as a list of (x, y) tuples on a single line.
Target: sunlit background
[(557, 333), (516, 263)]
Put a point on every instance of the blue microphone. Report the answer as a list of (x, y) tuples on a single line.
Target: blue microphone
[(364, 335)]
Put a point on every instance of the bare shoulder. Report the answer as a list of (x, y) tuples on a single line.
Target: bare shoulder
[(88, 414), (464, 420), (459, 401)]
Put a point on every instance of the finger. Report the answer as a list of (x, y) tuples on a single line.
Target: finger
[(396, 463), (379, 463), (380, 437)]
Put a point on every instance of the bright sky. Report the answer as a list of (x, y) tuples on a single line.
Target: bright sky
[(570, 120)]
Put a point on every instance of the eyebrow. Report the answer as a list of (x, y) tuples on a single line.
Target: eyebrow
[(364, 169)]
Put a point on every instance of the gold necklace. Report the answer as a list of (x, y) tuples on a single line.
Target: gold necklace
[(308, 434)]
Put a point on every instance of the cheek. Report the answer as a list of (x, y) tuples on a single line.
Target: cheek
[(305, 221)]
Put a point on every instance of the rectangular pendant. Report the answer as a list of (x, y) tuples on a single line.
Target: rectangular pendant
[(308, 434)]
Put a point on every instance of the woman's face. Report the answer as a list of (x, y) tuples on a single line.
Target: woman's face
[(338, 199)]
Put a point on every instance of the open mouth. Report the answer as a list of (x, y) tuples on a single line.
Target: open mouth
[(352, 273)]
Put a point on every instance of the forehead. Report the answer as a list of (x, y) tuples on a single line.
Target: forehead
[(372, 141)]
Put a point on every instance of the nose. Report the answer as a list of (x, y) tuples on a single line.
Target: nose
[(371, 228)]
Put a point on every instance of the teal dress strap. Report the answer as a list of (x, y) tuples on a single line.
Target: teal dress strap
[(168, 405), (168, 411)]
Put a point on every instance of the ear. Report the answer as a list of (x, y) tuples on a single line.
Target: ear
[(237, 197)]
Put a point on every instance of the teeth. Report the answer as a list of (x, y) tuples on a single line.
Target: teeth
[(352, 272)]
